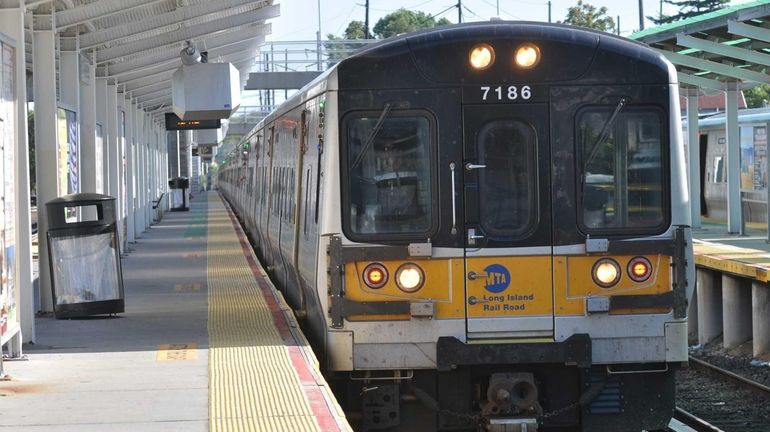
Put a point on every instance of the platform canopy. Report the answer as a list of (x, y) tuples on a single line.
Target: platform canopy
[(721, 50), (136, 43)]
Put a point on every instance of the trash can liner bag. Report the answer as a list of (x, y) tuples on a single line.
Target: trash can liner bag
[(84, 268)]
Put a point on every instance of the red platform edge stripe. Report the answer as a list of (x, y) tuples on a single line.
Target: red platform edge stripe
[(318, 404)]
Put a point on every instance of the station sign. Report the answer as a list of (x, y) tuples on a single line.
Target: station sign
[(175, 123)]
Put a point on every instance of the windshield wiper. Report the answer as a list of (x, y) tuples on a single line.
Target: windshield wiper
[(605, 132), (372, 135)]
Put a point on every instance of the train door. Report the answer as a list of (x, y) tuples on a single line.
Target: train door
[(508, 240)]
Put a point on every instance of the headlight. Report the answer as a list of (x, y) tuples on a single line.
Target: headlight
[(481, 56), (639, 269), (606, 272), (409, 277), (375, 275), (527, 55)]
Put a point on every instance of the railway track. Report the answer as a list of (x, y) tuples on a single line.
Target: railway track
[(728, 401), (753, 386)]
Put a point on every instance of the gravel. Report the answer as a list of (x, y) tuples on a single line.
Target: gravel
[(719, 401)]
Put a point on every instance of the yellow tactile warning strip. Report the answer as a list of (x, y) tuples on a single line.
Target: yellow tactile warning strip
[(177, 352), (259, 379), (740, 261)]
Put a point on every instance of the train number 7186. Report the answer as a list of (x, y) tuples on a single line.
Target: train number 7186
[(506, 93)]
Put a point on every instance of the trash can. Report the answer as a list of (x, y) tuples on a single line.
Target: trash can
[(84, 256), (178, 186)]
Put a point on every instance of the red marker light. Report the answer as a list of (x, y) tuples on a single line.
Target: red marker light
[(375, 275), (639, 269)]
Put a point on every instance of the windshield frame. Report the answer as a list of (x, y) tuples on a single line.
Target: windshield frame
[(346, 177)]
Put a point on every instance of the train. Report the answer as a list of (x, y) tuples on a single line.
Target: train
[(482, 227), (712, 138)]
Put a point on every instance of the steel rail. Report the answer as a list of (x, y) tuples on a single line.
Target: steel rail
[(693, 422), (746, 383)]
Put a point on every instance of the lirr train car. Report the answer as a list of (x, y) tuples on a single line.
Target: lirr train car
[(752, 125), (484, 227)]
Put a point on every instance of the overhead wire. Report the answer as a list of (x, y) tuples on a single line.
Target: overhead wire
[(346, 21)]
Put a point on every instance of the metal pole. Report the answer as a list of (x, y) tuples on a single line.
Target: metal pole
[(767, 182), (618, 27), (366, 22), (318, 37), (498, 6), (459, 11), (549, 12), (641, 16), (734, 201), (286, 69)]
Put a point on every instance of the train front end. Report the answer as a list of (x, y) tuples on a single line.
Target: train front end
[(513, 249)]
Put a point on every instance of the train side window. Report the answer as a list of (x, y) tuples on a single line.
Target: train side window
[(622, 162), (307, 198), (719, 170), (389, 169)]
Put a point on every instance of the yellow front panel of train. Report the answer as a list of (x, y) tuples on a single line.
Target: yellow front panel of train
[(509, 286), (444, 280), (574, 284)]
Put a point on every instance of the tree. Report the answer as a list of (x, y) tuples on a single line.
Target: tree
[(689, 8), (405, 21), (757, 97), (355, 30), (586, 15)]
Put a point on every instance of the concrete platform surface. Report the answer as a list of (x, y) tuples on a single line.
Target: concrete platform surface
[(159, 366), (745, 255)]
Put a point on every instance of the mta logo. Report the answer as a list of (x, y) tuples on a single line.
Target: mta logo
[(498, 278)]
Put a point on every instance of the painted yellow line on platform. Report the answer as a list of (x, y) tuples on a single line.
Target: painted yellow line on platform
[(750, 263), (177, 352), (187, 287)]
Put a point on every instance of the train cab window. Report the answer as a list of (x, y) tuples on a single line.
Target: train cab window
[(622, 167), (507, 198), (389, 168)]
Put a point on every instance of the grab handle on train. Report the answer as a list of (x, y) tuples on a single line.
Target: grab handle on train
[(473, 275), (472, 236)]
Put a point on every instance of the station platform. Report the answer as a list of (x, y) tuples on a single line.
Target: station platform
[(745, 255), (732, 300), (205, 343)]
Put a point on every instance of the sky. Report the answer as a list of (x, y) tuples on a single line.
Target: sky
[(299, 18)]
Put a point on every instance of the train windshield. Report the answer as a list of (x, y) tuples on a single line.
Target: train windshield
[(389, 166), (622, 170)]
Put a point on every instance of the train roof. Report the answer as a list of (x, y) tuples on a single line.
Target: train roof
[(439, 57), (750, 115), (423, 59), (496, 26)]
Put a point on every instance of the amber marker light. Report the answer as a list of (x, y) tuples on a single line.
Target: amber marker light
[(606, 272), (481, 56), (527, 56), (375, 275), (409, 277), (639, 269)]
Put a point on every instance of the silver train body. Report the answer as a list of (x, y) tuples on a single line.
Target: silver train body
[(752, 125), (437, 295)]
